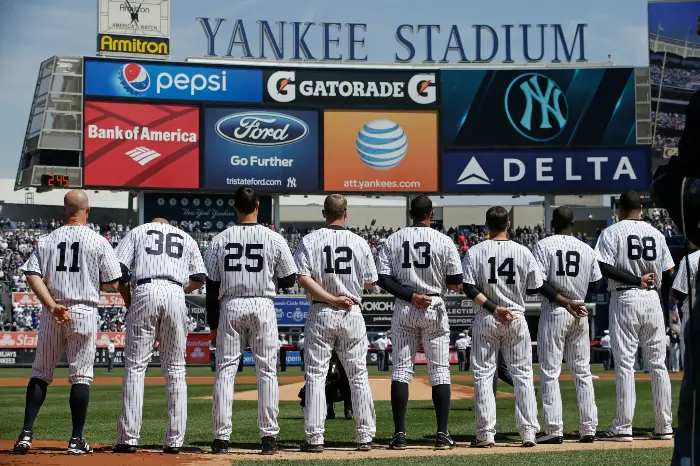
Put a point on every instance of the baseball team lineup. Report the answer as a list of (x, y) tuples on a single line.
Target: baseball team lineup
[(245, 266)]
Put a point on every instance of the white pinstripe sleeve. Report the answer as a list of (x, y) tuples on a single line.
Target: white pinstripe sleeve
[(196, 263), (595, 271), (33, 264), (211, 261), (467, 271), (302, 259), (125, 250), (666, 258), (542, 259), (285, 266), (535, 277), (453, 265), (370, 270), (680, 283), (110, 269), (605, 249), (384, 260)]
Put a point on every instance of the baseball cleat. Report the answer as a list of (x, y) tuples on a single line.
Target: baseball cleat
[(610, 436), (219, 446), (269, 446), (527, 443), (548, 439), (171, 450), (658, 436), (367, 446), (398, 441), (587, 439), (306, 447), (23, 443), (444, 442), (482, 443), (123, 448), (348, 414), (78, 446)]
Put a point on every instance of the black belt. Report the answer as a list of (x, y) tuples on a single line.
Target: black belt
[(144, 281), (433, 294), (625, 288), (323, 302)]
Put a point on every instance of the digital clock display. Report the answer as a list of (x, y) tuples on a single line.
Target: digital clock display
[(54, 181)]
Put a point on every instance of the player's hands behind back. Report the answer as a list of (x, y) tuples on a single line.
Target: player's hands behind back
[(577, 309), (342, 302), (60, 313), (422, 301), (503, 315), (648, 280)]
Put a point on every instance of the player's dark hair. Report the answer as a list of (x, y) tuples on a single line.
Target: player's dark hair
[(335, 206), (421, 206), (245, 200), (497, 219), (562, 218), (629, 200)]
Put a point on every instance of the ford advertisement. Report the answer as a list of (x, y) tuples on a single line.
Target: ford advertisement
[(551, 171), (268, 149), (176, 82)]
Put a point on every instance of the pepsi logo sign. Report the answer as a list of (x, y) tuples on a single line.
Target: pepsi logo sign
[(135, 78), (264, 129)]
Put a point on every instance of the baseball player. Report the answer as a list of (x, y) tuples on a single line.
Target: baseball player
[(571, 267), (608, 360), (246, 263), (633, 255), (497, 274), (161, 263), (300, 345), (110, 355), (282, 352), (66, 271), (416, 265), (335, 265), (679, 290), (381, 345), (461, 345)]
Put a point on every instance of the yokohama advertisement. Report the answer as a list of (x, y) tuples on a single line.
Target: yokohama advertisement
[(141, 145)]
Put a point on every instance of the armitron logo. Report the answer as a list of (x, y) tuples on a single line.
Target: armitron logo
[(130, 44), (262, 129)]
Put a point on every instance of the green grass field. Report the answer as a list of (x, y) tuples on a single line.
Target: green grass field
[(105, 403)]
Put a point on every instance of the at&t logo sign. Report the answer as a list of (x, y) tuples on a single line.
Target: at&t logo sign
[(536, 107)]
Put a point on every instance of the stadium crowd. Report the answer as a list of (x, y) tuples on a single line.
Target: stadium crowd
[(17, 240), (675, 76), (673, 121)]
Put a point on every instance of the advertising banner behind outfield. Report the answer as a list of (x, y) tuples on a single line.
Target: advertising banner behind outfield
[(208, 212), (268, 149), (380, 151), (565, 107), (141, 145), (353, 88), (109, 78), (551, 171)]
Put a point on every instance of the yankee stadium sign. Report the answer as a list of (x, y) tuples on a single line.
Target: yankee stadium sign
[(419, 32)]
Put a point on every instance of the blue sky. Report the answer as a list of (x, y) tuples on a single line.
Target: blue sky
[(676, 18), (33, 30)]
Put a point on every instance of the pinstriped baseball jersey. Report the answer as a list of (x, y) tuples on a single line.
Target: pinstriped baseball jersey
[(680, 283), (503, 270), (73, 261), (419, 258), (636, 247), (568, 264), (246, 259), (338, 260), (160, 250)]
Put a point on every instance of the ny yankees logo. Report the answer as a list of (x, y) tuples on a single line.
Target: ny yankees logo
[(537, 89)]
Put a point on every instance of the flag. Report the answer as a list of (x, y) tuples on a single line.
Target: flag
[(660, 28)]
